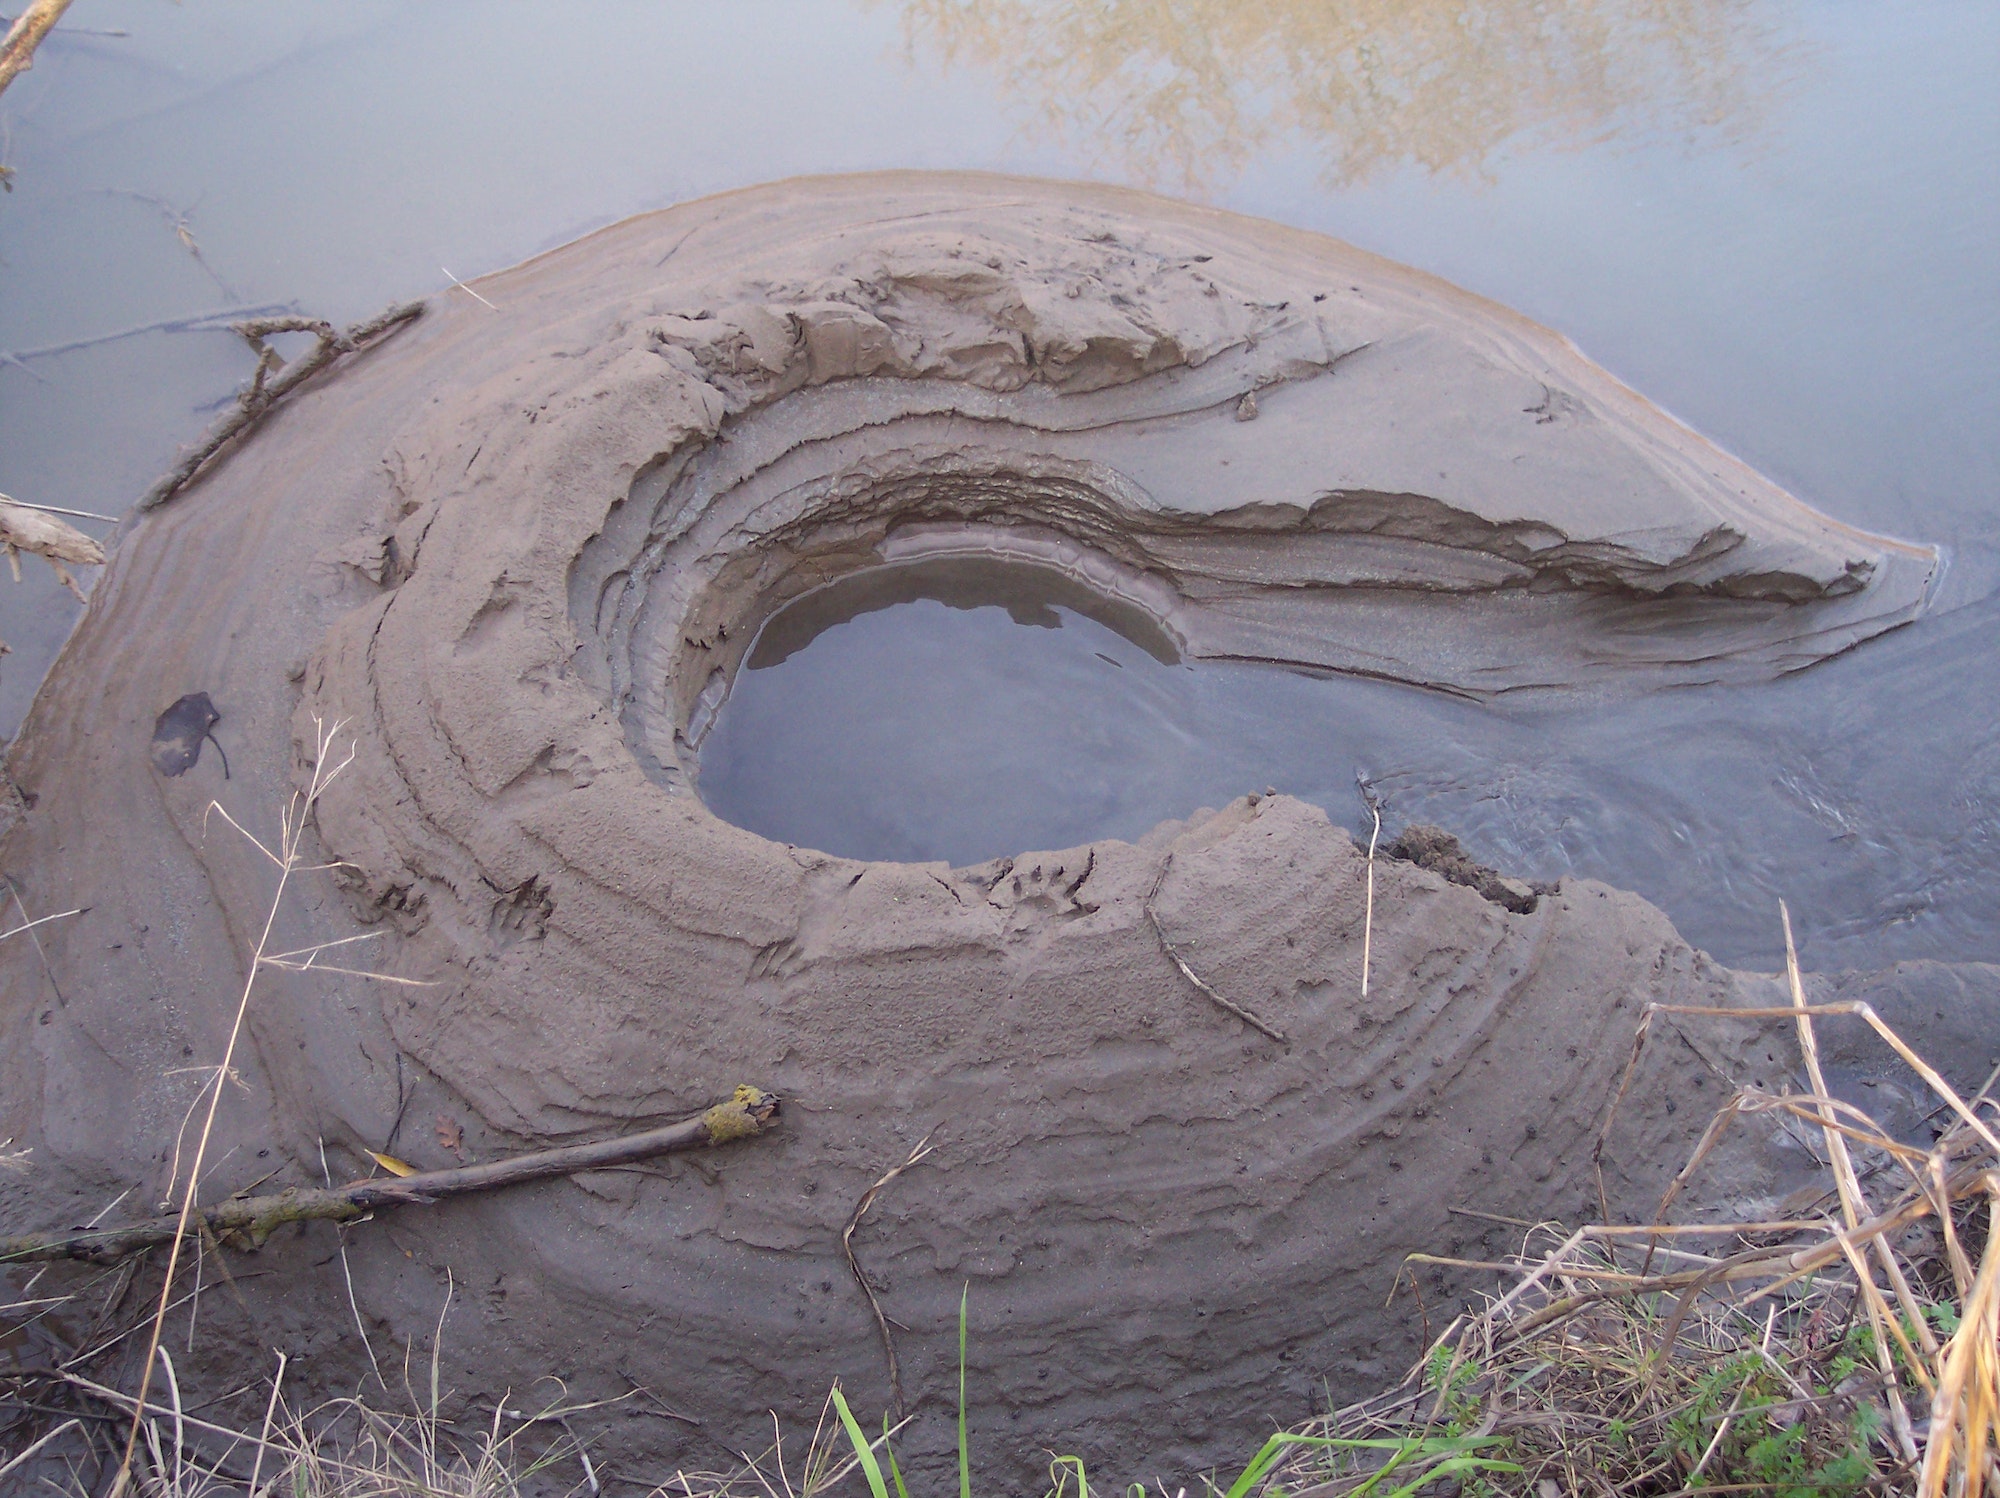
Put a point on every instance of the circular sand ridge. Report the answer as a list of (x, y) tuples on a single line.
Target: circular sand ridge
[(516, 557)]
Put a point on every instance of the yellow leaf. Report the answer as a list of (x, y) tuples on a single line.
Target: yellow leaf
[(391, 1164)]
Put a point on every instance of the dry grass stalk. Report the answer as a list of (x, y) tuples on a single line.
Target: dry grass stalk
[(352, 1448), (289, 859), (1368, 911), (916, 1155)]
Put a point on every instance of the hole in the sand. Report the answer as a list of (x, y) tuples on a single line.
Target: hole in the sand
[(953, 708), (1034, 596)]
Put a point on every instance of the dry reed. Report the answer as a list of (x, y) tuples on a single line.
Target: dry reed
[(1856, 1351)]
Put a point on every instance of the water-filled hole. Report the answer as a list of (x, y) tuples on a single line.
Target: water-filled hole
[(960, 712), (956, 709)]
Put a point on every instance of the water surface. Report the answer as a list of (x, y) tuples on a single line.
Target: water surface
[(1780, 221)]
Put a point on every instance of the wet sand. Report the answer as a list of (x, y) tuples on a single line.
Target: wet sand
[(516, 556)]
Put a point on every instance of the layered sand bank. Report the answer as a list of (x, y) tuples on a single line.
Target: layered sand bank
[(516, 556)]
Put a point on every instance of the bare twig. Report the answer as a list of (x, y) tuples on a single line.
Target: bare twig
[(847, 1245), (41, 953), (179, 222), (273, 383), (1262, 1026), (60, 510), (26, 1452), (30, 925), (467, 289)]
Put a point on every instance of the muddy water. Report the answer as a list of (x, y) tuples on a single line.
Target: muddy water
[(960, 726), (1777, 221)]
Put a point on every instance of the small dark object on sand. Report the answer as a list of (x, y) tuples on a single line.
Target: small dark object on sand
[(1437, 850), (178, 735)]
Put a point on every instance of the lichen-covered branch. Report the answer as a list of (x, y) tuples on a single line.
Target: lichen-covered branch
[(245, 1222)]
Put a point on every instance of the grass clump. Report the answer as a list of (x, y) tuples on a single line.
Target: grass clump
[(1854, 1348)]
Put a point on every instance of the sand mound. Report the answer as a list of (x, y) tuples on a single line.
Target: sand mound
[(518, 553)]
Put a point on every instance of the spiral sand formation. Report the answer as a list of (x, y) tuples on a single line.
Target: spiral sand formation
[(518, 555)]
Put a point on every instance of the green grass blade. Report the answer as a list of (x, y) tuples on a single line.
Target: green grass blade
[(964, 1447), (1451, 1468), (1404, 1451), (895, 1472), (1267, 1458), (1075, 1463), (870, 1468)]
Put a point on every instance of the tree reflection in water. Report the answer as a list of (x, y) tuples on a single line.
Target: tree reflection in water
[(1187, 91)]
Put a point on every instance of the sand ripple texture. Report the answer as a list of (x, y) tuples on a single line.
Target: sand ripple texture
[(517, 552)]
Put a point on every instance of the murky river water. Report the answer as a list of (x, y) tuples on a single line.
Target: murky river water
[(1781, 222)]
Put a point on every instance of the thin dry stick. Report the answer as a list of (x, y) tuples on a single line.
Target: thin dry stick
[(272, 382), (41, 953), (218, 321), (347, 1275), (847, 1244), (1710, 1138), (271, 1409), (1611, 1112), (467, 289), (41, 920), (1368, 913), (21, 1456), (1193, 977), (17, 52), (60, 510)]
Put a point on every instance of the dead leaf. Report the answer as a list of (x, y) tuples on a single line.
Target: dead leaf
[(178, 734), (391, 1164), (451, 1134)]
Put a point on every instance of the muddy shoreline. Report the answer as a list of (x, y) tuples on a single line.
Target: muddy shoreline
[(516, 557)]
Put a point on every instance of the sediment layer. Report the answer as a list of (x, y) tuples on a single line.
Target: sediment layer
[(512, 559)]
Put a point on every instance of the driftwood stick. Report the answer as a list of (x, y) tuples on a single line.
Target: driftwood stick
[(256, 400), (245, 1222), (23, 528), (17, 52)]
